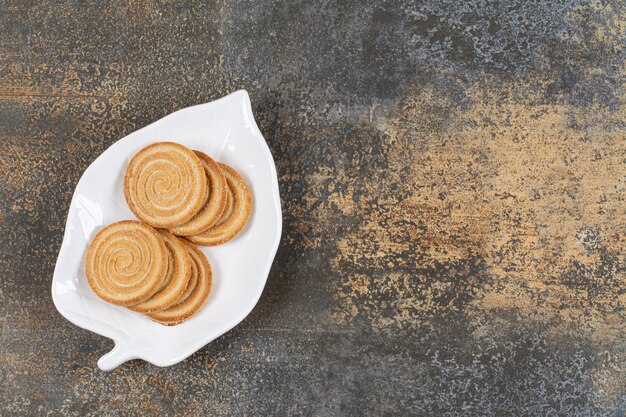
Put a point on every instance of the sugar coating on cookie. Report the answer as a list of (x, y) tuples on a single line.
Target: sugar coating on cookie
[(177, 278), (196, 294), (126, 263), (235, 215), (216, 200), (165, 184)]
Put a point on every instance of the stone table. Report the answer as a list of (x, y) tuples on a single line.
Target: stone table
[(452, 181)]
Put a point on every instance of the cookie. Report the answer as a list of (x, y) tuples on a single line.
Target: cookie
[(236, 213), (196, 294), (216, 201), (126, 263), (177, 278), (165, 185)]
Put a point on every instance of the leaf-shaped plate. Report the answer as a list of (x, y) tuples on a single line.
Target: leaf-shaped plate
[(224, 129)]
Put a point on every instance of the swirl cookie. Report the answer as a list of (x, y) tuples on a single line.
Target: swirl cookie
[(176, 280), (196, 294), (126, 263), (216, 201), (165, 184), (236, 213)]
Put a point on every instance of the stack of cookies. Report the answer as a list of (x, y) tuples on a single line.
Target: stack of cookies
[(143, 265)]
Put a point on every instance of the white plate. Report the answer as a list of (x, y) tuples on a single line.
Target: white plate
[(224, 129)]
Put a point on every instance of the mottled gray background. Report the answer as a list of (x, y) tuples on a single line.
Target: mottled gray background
[(452, 181)]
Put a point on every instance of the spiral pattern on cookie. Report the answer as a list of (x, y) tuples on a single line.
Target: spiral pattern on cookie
[(196, 294), (176, 280), (126, 263), (235, 215), (216, 201), (165, 184)]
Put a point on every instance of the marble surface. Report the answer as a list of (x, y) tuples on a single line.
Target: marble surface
[(452, 183)]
